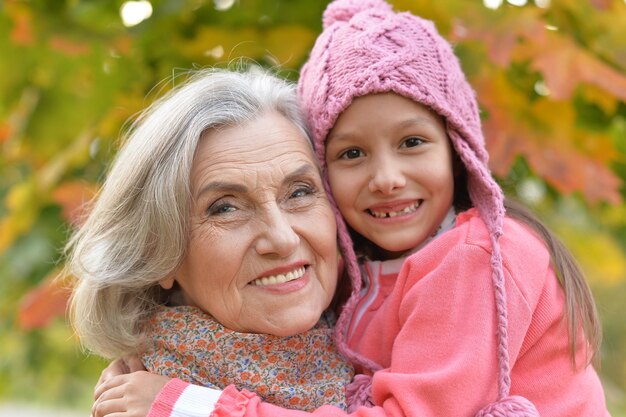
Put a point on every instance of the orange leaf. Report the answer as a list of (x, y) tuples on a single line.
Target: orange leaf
[(549, 146), (122, 45), (5, 131), (44, 303), (73, 197), (22, 33), (564, 65), (570, 171), (504, 134), (601, 4), (69, 47), (502, 35)]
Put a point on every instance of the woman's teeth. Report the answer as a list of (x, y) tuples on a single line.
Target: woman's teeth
[(280, 278), (386, 214)]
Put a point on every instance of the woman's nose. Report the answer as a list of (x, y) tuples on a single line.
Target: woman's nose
[(386, 177), (277, 235)]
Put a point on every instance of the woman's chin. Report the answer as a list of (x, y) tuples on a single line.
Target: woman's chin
[(291, 326)]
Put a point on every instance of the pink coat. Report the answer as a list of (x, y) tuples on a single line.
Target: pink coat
[(435, 335)]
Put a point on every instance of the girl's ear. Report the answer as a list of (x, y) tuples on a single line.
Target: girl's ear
[(168, 282)]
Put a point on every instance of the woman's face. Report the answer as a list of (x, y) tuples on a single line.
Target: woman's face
[(262, 254)]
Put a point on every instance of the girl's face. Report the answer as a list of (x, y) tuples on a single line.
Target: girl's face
[(262, 254), (390, 170)]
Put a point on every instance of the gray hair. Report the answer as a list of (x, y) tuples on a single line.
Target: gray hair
[(137, 231)]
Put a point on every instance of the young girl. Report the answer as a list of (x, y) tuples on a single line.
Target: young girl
[(469, 306)]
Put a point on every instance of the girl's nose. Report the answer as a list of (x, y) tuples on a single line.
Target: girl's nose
[(387, 176), (277, 236)]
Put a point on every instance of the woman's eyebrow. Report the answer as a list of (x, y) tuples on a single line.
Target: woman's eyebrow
[(222, 186), (302, 171)]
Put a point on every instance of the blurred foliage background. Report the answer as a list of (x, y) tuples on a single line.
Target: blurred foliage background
[(550, 77)]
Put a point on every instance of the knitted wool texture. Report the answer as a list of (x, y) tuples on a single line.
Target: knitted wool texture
[(366, 48)]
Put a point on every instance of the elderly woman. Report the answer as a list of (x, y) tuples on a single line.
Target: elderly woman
[(211, 249)]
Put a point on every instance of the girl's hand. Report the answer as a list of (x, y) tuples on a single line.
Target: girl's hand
[(119, 366), (127, 395)]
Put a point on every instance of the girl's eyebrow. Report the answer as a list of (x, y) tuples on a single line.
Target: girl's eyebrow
[(222, 186), (418, 121), (413, 121)]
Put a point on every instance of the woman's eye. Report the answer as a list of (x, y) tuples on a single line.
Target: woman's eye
[(220, 208), (302, 191), (351, 154), (412, 142)]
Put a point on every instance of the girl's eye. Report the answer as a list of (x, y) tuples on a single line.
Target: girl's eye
[(351, 154), (412, 142)]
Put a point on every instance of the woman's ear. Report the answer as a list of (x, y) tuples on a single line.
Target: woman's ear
[(167, 283)]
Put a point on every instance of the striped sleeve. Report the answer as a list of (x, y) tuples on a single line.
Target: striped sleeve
[(181, 399)]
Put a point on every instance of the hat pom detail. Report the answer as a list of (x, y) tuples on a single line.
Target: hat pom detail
[(359, 392), (343, 10), (511, 406)]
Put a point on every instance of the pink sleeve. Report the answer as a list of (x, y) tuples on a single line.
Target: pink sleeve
[(179, 399), (439, 334), (443, 356), (435, 334)]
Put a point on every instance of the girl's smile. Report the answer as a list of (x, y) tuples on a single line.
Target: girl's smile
[(397, 209)]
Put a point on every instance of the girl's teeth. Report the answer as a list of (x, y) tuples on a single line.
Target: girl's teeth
[(406, 210), (280, 278)]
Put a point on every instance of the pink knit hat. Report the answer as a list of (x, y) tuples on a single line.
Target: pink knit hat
[(366, 48)]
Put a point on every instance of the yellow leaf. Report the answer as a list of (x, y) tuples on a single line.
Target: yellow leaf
[(20, 195), (602, 98), (235, 43), (613, 216), (127, 104), (22, 203), (599, 254), (289, 44)]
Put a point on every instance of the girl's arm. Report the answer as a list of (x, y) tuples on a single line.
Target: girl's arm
[(129, 395), (435, 334)]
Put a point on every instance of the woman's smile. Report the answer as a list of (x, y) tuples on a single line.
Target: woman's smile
[(280, 278)]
